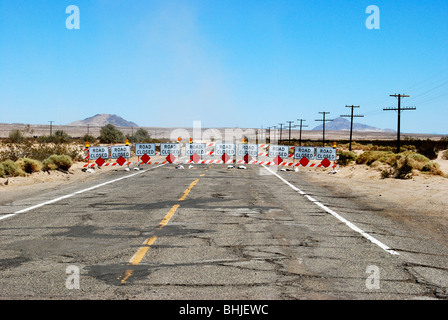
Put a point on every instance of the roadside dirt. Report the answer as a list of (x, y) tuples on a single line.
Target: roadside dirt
[(13, 188), (419, 202)]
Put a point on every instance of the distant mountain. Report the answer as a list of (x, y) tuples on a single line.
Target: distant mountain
[(343, 124), (102, 120)]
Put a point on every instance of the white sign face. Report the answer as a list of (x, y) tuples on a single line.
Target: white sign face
[(170, 148), (192, 148), (228, 148), (329, 153), (145, 148), (307, 152), (97, 152), (120, 151), (281, 151), (248, 148)]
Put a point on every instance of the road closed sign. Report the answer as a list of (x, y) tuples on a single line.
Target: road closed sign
[(170, 148), (280, 151), (326, 153), (145, 148), (98, 152), (248, 148), (227, 148), (192, 148), (120, 151), (301, 152)]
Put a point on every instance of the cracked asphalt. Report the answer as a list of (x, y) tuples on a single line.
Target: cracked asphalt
[(238, 234)]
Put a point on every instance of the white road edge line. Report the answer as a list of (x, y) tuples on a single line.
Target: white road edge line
[(336, 215), (75, 193)]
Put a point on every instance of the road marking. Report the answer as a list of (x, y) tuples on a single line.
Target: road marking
[(138, 256), (75, 193), (141, 252), (337, 216), (188, 190), (168, 216)]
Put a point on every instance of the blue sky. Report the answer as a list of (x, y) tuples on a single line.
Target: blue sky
[(226, 63)]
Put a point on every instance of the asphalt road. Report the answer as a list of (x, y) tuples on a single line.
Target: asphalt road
[(211, 233)]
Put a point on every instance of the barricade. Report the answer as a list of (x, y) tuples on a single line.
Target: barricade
[(228, 154)]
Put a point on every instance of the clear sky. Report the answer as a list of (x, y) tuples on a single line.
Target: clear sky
[(226, 63)]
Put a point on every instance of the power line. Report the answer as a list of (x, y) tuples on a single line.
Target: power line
[(289, 137), (51, 127), (269, 134), (351, 123), (399, 110), (301, 126), (281, 127), (323, 120)]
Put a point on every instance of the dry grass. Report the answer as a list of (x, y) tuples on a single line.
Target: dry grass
[(402, 165), (9, 168), (55, 162)]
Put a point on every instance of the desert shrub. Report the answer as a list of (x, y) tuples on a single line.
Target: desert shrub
[(10, 168), (141, 135), (404, 164), (39, 151), (15, 136), (428, 150), (110, 134), (29, 165), (88, 138), (55, 162), (433, 168), (445, 155), (370, 157), (345, 157), (387, 173), (404, 168), (60, 136)]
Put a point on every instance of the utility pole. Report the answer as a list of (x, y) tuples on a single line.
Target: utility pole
[(51, 127), (324, 120), (351, 123), (281, 127), (399, 109), (275, 132), (289, 138), (269, 135), (301, 126)]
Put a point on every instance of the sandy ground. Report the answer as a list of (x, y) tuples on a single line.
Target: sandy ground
[(420, 202), (21, 187)]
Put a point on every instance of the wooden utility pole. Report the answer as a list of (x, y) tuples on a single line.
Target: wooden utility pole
[(351, 123), (399, 110), (324, 120), (281, 127), (51, 127), (300, 134), (289, 137)]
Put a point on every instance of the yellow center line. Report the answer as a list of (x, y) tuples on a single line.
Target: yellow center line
[(188, 190), (141, 252), (168, 216)]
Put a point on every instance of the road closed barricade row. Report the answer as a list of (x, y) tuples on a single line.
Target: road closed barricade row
[(229, 153)]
